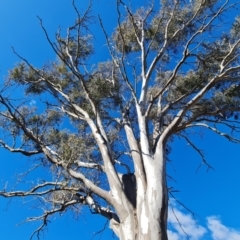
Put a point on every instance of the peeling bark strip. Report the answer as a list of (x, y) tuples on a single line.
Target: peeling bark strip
[(170, 70)]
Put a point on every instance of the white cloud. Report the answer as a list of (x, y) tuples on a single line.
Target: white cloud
[(221, 232), (183, 226), (173, 235), (32, 102)]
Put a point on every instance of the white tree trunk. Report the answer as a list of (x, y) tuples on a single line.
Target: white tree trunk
[(148, 221)]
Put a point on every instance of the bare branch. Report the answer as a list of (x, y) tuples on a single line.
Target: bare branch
[(19, 150), (230, 138), (35, 190), (197, 150), (89, 165), (44, 218)]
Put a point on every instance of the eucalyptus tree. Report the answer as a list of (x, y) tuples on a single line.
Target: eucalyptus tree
[(104, 129)]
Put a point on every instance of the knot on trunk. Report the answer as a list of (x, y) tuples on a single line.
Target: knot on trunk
[(129, 187)]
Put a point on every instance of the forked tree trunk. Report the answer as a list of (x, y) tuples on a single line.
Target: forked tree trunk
[(148, 221)]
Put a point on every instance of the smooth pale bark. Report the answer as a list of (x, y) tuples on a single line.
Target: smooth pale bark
[(148, 220)]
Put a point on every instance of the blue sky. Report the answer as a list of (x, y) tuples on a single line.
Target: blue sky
[(213, 196)]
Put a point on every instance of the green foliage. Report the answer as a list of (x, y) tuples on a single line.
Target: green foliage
[(71, 147), (24, 75), (78, 47), (236, 28), (173, 23)]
